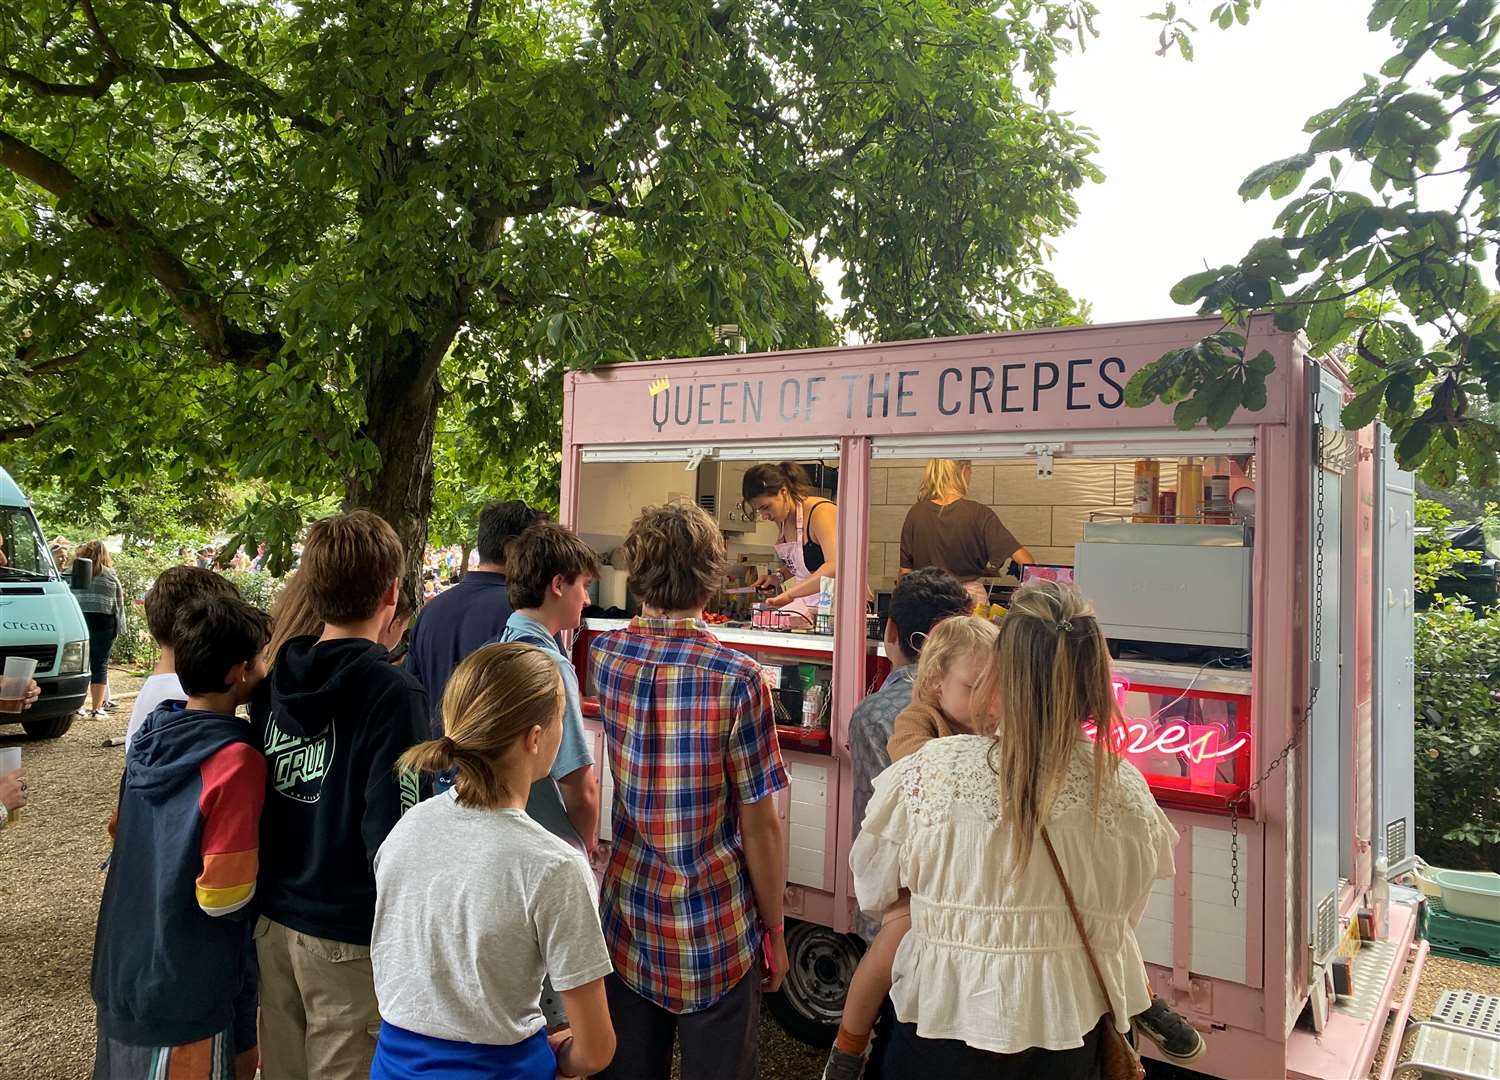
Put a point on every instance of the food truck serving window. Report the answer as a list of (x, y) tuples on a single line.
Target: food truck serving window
[(1170, 581)]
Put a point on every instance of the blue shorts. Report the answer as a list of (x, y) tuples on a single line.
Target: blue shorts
[(406, 1055)]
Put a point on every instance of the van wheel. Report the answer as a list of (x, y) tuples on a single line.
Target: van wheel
[(51, 728), (820, 963)]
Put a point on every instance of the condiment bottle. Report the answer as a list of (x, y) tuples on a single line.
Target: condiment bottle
[(1189, 491), (1147, 488)]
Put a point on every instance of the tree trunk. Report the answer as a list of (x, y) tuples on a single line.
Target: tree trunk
[(401, 418), (463, 567)]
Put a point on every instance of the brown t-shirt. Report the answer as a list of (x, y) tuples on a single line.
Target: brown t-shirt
[(964, 538)]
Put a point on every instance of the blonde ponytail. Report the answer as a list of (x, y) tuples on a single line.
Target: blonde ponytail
[(493, 699)]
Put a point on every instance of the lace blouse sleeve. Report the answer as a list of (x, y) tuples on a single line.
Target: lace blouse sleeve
[(1158, 833), (876, 857)]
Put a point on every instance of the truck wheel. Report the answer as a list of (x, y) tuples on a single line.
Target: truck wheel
[(51, 728), (820, 964)]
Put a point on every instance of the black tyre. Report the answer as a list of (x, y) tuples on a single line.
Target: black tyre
[(820, 964), (51, 728)]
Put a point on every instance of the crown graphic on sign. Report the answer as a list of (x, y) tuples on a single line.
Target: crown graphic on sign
[(659, 386)]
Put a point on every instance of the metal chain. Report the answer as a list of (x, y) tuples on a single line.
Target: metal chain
[(1321, 533)]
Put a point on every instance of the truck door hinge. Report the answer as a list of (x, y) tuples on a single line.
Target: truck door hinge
[(695, 458), (1043, 453)]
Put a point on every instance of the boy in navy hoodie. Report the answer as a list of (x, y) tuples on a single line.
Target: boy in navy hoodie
[(170, 947), (338, 716)]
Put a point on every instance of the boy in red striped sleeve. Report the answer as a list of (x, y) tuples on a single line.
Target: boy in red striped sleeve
[(170, 948)]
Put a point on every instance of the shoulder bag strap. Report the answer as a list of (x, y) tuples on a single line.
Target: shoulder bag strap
[(1077, 920)]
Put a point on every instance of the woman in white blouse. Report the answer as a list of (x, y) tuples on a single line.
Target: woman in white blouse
[(993, 979)]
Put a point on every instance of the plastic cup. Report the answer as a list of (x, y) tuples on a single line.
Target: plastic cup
[(13, 684), (10, 761)]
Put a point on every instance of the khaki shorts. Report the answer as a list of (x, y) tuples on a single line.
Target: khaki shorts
[(318, 1014)]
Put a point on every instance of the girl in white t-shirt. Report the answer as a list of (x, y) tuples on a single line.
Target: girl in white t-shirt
[(992, 980), (476, 903)]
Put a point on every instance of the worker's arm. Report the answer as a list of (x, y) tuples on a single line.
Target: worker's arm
[(823, 529), (765, 854), (580, 796)]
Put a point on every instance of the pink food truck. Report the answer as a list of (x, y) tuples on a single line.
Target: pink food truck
[(1263, 634)]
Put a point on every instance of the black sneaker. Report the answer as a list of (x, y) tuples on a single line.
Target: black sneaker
[(843, 1065), (1179, 1040)]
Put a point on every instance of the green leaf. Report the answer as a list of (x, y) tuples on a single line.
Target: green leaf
[(1412, 445), (1224, 399), (1263, 363), (1283, 176), (1364, 408), (1324, 319), (1190, 288), (1255, 394), (1189, 412)]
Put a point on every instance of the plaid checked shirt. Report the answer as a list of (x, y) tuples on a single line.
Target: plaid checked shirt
[(690, 734)]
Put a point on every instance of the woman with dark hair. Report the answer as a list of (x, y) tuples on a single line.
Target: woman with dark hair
[(807, 532), (103, 606)]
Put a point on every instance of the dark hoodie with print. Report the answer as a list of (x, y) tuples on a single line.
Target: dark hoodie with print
[(337, 717), (170, 944)]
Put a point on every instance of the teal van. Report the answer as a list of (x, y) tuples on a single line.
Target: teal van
[(39, 617)]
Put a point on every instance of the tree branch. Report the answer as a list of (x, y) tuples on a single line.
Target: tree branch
[(300, 120), (222, 339), (96, 89), (103, 38), (471, 23), (545, 196), (25, 431), (55, 364)]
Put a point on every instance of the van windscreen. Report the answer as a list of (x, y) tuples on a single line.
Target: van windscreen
[(23, 552)]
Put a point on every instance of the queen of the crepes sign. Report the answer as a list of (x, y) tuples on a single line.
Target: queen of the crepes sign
[(919, 393)]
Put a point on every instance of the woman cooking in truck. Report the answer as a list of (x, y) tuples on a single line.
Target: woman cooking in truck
[(952, 532), (807, 536)]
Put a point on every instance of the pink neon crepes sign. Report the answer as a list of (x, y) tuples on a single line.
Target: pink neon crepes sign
[(1197, 743)]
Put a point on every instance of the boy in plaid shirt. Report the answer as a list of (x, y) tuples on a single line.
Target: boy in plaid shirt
[(696, 874)]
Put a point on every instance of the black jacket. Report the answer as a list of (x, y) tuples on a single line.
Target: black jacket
[(337, 717)]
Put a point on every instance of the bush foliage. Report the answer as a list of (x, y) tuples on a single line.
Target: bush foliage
[(1457, 718)]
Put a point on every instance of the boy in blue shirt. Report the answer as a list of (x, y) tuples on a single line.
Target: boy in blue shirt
[(549, 571)]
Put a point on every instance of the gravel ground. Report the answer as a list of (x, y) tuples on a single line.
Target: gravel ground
[(49, 867), (49, 864), (1439, 974)]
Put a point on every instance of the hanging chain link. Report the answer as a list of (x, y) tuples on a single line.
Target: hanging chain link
[(1320, 527)]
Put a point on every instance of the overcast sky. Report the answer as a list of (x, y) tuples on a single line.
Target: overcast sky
[(1176, 138)]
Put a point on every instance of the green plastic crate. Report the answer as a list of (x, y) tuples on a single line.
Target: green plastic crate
[(1454, 936)]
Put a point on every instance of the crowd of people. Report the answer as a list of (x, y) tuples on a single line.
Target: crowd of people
[(385, 873)]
